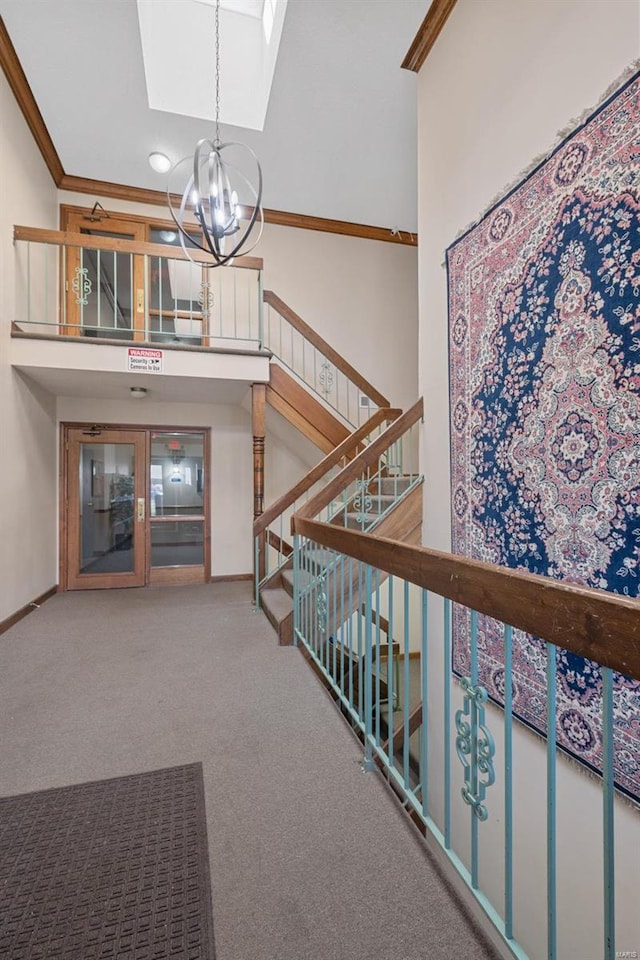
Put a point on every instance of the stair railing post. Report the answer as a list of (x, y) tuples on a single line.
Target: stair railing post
[(368, 763), (260, 311), (258, 420), (296, 588)]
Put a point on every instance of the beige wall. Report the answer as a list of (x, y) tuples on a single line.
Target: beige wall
[(27, 414), (503, 78)]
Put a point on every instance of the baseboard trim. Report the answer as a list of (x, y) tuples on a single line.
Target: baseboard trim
[(27, 609), (231, 578)]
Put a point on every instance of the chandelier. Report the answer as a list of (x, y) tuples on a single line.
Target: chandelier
[(211, 193)]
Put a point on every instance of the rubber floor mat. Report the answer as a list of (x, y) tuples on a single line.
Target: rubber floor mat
[(112, 870)]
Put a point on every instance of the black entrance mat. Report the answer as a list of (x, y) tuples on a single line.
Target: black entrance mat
[(112, 870)]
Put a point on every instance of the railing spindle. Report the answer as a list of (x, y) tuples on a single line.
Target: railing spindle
[(508, 781), (29, 283), (447, 723), (378, 664), (608, 814), (424, 730), (474, 750), (552, 952), (391, 686), (407, 681), (368, 687)]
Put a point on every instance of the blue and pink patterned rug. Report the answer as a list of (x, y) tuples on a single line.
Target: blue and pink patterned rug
[(544, 314)]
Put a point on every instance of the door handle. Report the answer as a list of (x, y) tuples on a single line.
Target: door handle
[(140, 508)]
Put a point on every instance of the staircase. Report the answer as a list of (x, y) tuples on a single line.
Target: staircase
[(378, 488)]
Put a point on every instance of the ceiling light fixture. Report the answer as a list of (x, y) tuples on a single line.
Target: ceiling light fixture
[(159, 162), (138, 393), (211, 196)]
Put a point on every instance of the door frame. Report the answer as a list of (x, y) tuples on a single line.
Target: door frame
[(136, 577), (168, 575), (72, 218), (75, 222)]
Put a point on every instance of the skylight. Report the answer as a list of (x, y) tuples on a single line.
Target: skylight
[(178, 53)]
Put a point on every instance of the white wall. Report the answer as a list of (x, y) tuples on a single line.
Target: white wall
[(28, 507), (231, 465), (503, 78)]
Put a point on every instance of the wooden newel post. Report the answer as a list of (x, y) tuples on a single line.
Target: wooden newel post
[(258, 476), (258, 401), (258, 404)]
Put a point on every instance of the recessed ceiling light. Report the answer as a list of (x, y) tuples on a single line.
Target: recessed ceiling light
[(138, 393), (159, 162)]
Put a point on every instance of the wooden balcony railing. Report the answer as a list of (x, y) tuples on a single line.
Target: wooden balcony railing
[(303, 351), (111, 288)]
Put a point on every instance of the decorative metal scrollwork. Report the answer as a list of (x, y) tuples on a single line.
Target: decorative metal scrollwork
[(82, 286), (326, 377), (475, 747), (321, 605), (362, 501), (205, 297)]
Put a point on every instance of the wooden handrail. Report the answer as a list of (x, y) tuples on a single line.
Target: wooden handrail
[(600, 626), (310, 334), (279, 544), (64, 238), (348, 445), (357, 466)]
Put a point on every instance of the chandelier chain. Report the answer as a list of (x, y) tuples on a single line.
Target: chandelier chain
[(217, 72)]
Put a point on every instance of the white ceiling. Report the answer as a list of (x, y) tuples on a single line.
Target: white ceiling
[(340, 134)]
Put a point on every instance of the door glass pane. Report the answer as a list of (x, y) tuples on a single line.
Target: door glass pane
[(175, 294), (177, 474), (106, 507), (105, 290), (177, 543)]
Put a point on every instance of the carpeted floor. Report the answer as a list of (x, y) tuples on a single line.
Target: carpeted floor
[(311, 859)]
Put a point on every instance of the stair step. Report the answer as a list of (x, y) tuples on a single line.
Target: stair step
[(277, 605), (359, 521), (287, 581), (393, 486)]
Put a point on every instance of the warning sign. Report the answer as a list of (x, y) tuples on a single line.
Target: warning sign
[(141, 360)]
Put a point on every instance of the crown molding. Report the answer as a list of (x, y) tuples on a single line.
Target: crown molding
[(120, 191), (428, 33), (26, 101)]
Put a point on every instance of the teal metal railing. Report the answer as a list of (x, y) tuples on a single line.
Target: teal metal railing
[(374, 482), (272, 529), (447, 751), (114, 289), (305, 354)]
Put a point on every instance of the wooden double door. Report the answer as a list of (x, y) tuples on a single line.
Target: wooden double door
[(134, 506)]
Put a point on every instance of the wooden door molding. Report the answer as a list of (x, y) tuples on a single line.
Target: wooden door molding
[(75, 580), (83, 222), (195, 574)]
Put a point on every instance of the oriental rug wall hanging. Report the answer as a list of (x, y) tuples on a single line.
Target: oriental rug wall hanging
[(544, 323)]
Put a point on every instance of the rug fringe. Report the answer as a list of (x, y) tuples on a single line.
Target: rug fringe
[(561, 135)]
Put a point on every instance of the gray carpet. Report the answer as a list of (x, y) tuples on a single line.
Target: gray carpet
[(310, 858)]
